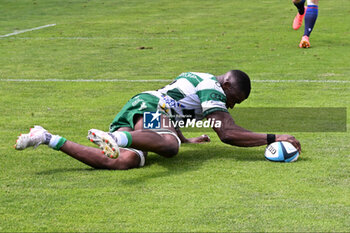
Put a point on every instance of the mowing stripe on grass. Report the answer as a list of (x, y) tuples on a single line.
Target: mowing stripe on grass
[(27, 30), (168, 80)]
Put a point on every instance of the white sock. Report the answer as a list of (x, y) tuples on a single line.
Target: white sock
[(56, 142), (122, 139)]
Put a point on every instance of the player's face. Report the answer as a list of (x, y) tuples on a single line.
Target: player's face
[(234, 97)]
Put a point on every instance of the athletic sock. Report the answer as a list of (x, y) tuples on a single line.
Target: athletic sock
[(300, 7), (123, 138), (310, 19), (54, 141)]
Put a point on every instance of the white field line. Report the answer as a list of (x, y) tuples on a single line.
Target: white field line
[(104, 38), (165, 80), (27, 30), (301, 81), (87, 80)]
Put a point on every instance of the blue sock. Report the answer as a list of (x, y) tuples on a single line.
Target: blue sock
[(300, 7), (310, 19)]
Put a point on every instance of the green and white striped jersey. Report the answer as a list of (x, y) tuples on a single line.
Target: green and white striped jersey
[(192, 95)]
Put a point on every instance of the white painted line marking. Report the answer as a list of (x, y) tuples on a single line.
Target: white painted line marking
[(86, 80), (165, 80), (105, 38), (301, 81), (27, 30)]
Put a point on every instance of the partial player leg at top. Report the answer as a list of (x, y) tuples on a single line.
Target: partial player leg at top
[(309, 15), (298, 19)]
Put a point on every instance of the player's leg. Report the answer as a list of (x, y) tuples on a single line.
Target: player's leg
[(165, 143), (88, 155), (96, 159), (310, 16), (168, 142), (298, 19), (310, 20)]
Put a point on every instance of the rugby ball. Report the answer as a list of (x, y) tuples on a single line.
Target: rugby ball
[(281, 152)]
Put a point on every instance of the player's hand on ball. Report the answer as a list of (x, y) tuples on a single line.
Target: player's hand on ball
[(289, 138), (201, 139)]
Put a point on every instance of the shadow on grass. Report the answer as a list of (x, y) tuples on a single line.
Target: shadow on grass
[(199, 154), (61, 170), (192, 158)]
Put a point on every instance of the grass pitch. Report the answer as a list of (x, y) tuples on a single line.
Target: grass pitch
[(211, 187)]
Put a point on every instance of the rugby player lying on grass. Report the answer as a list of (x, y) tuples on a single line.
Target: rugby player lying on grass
[(125, 146)]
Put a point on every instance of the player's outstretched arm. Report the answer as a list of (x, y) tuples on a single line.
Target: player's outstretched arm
[(201, 139), (232, 134)]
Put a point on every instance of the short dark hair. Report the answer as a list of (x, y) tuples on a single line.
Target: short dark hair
[(242, 81)]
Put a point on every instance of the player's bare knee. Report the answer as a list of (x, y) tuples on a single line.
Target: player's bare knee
[(169, 146), (125, 161), (170, 150)]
